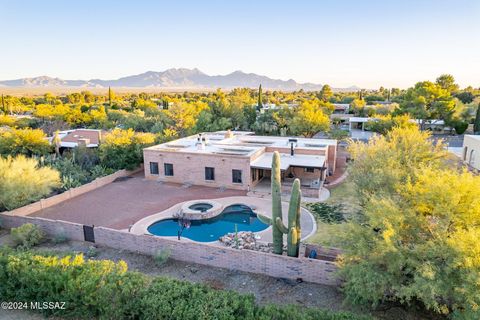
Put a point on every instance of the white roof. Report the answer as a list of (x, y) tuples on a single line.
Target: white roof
[(286, 161), (361, 119)]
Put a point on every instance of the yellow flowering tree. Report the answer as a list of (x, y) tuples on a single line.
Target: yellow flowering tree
[(416, 238), (123, 149), (22, 181)]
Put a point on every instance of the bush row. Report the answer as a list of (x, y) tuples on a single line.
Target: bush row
[(104, 289)]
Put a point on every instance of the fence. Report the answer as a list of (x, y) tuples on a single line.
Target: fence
[(310, 270), (74, 192)]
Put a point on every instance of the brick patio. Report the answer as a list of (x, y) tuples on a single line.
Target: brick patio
[(122, 203)]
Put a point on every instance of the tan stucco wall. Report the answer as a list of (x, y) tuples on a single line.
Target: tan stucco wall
[(471, 144)]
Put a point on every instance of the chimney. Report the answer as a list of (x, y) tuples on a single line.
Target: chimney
[(228, 134), (84, 142)]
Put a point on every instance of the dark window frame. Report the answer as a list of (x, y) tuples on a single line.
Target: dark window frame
[(237, 176), (309, 170), (209, 173), (168, 169), (155, 166)]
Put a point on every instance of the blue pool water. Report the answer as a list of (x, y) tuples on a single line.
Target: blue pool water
[(211, 229)]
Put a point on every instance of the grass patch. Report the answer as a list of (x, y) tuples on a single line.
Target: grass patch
[(343, 195)]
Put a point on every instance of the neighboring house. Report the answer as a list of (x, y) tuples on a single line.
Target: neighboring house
[(471, 151), (341, 108), (73, 138), (241, 160)]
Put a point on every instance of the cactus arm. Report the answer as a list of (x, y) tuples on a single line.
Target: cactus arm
[(264, 219), (281, 226)]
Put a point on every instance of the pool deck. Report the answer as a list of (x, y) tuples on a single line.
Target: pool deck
[(258, 205), (120, 204)]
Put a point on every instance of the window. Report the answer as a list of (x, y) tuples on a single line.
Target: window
[(236, 176), (154, 168), (168, 167), (311, 170), (209, 173)]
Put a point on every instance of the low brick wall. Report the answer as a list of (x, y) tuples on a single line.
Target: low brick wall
[(54, 200), (70, 230), (309, 270)]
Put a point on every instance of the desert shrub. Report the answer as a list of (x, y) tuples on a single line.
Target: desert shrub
[(106, 290), (27, 236), (415, 244), (123, 149), (92, 252), (327, 213), (22, 181), (294, 312), (23, 141), (161, 257), (460, 126), (59, 236), (99, 171)]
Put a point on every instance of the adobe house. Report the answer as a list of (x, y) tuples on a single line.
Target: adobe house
[(471, 151), (242, 160)]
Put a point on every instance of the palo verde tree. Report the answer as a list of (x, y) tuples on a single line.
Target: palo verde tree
[(414, 241)]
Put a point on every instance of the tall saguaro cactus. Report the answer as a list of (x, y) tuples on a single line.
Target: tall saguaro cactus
[(277, 234), (293, 230)]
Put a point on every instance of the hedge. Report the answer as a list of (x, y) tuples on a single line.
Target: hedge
[(104, 289)]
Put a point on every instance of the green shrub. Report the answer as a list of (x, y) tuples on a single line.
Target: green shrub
[(92, 252), (161, 257), (460, 126), (327, 213), (106, 290), (23, 182), (27, 236)]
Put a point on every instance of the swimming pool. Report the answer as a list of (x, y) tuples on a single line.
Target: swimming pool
[(207, 230)]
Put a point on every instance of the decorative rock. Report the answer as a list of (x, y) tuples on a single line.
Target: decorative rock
[(245, 240)]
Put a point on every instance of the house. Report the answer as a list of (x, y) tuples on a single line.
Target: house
[(471, 151), (241, 160), (341, 108), (89, 138)]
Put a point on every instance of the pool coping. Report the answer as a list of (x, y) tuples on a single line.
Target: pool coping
[(258, 205)]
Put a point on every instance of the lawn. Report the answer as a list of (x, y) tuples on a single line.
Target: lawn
[(344, 195)]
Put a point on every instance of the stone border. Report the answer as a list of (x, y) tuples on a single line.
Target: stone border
[(71, 193), (258, 205), (192, 214)]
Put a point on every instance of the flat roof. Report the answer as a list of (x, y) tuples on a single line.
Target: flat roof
[(286, 161), (472, 136), (239, 143)]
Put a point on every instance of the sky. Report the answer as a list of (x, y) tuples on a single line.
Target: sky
[(337, 42)]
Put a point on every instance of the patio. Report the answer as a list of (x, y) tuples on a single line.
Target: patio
[(122, 203)]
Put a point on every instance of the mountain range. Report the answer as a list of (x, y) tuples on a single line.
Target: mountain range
[(172, 78)]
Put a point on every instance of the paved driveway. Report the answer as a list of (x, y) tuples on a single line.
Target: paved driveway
[(120, 204)]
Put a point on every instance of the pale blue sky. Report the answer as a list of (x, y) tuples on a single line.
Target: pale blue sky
[(339, 42)]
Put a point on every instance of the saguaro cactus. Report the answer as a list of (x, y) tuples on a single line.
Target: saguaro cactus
[(293, 230), (277, 234)]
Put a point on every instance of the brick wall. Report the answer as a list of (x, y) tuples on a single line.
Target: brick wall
[(310, 270), (69, 230), (51, 201), (190, 168)]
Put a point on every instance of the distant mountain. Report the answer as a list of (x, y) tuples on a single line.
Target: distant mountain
[(171, 78)]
